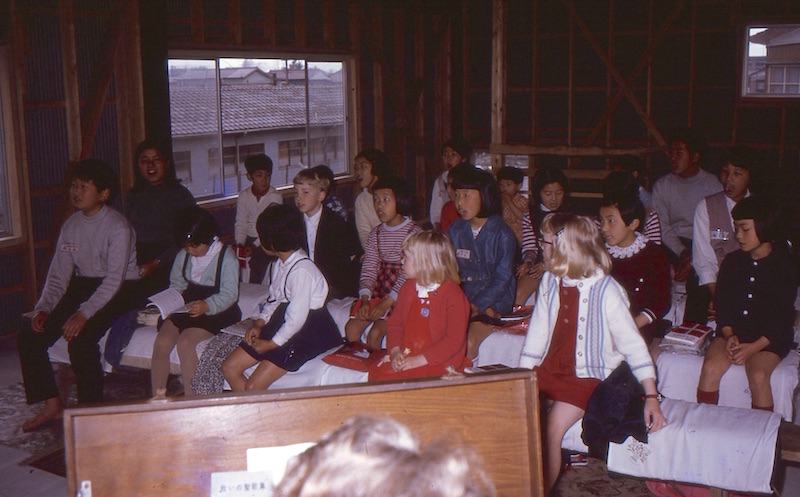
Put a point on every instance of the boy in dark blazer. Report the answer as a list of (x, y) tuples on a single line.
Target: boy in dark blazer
[(330, 242)]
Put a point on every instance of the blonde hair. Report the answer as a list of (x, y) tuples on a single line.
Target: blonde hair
[(434, 257), (369, 456), (578, 249), (309, 176)]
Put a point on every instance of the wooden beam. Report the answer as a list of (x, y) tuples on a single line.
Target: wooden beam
[(420, 185), (102, 81), (269, 23), (130, 95), (328, 40), (299, 23), (69, 63), (569, 150), (377, 69), (235, 19), (498, 77)]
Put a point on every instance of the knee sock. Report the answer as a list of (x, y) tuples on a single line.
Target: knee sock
[(769, 408), (704, 397)]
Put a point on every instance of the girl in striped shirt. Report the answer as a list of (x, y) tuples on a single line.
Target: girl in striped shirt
[(382, 271)]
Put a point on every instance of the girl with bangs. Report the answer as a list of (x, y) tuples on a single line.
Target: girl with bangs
[(580, 332), (427, 331)]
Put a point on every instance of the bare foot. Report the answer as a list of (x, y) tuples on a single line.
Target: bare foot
[(51, 412)]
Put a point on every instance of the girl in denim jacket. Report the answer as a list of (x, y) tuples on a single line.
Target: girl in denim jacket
[(485, 249)]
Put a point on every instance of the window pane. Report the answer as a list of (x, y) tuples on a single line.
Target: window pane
[(195, 123), (793, 74), (326, 115), (772, 65), (776, 74)]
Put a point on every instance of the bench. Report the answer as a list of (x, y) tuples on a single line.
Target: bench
[(172, 447)]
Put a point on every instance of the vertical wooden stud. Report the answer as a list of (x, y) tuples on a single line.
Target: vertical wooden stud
[(66, 18), (498, 78)]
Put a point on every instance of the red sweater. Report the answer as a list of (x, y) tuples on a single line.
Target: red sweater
[(449, 315)]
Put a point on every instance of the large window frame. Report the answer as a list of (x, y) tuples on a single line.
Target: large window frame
[(11, 225), (282, 174), (764, 56)]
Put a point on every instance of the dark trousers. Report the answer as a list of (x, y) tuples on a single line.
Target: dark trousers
[(259, 260), (84, 353)]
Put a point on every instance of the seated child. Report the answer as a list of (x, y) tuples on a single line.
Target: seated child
[(332, 202), (754, 303), (580, 331), (515, 204), (449, 211), (251, 202), (455, 151), (330, 242), (427, 332), (622, 183), (293, 325), (206, 272), (485, 249), (640, 266), (550, 193), (382, 273), (370, 164), (95, 256)]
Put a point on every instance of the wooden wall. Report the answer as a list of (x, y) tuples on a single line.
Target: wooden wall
[(502, 73)]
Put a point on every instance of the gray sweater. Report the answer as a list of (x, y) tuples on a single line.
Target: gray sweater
[(100, 246), (675, 200)]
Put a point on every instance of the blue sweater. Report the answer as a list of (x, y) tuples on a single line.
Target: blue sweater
[(486, 263)]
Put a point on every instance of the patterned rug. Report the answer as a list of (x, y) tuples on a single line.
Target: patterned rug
[(594, 480)]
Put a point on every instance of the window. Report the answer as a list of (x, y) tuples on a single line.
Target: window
[(183, 166), (256, 105), (10, 215), (772, 62)]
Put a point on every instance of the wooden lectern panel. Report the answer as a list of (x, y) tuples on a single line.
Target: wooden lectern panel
[(172, 447)]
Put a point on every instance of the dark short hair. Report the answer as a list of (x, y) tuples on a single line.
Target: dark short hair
[(544, 177), (629, 207), (478, 179), (280, 227), (764, 214), (693, 139), (170, 178), (461, 147), (630, 163), (459, 169), (402, 193), (378, 159), (258, 162), (510, 173), (742, 156), (98, 172), (195, 225)]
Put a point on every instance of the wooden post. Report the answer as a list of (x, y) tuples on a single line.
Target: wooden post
[(66, 19), (498, 78)]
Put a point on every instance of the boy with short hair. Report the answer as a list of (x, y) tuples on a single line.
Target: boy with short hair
[(330, 242), (252, 202), (515, 204), (95, 256)]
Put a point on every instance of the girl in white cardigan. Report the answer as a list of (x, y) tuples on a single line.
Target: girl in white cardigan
[(580, 331)]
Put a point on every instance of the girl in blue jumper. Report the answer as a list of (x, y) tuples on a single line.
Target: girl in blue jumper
[(206, 272), (485, 249)]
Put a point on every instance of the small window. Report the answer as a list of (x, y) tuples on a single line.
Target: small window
[(772, 61), (274, 106), (10, 215)]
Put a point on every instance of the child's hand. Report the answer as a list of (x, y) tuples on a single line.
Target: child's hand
[(415, 361), (197, 308), (37, 323), (731, 345), (247, 250), (363, 311), (398, 359), (537, 271), (491, 313), (251, 335), (379, 309), (653, 417), (261, 345), (743, 352), (73, 326)]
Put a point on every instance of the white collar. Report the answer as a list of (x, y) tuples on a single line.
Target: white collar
[(313, 220), (423, 291), (588, 281), (634, 248)]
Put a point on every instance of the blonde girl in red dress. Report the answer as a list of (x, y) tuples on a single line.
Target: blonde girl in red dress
[(427, 331), (580, 331)]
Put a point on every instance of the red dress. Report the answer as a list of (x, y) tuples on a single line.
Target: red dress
[(446, 307), (556, 373)]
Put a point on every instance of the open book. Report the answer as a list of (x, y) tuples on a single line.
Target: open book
[(170, 301), (240, 328)]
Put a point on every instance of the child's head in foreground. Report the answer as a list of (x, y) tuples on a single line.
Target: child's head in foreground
[(152, 165), (259, 171), (280, 229), (310, 189), (756, 222), (390, 461), (92, 184), (429, 258), (577, 247), (392, 199), (621, 216)]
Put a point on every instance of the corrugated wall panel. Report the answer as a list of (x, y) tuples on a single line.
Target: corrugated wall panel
[(46, 130), (43, 68)]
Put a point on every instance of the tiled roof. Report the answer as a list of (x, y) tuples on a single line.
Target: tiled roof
[(253, 107)]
